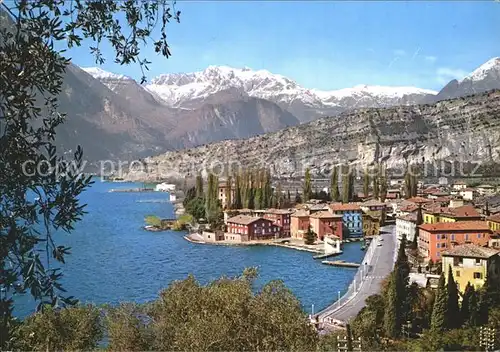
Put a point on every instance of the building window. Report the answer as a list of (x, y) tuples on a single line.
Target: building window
[(478, 275), (478, 235), (453, 237), (458, 273), (478, 261), (466, 237)]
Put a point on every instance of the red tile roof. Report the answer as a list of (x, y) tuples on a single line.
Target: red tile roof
[(417, 200), (471, 251), (456, 226), (325, 215), (344, 206), (244, 219), (495, 217), (462, 212)]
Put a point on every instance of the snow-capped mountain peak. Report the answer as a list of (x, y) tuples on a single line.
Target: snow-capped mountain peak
[(490, 67), (100, 74), (181, 88)]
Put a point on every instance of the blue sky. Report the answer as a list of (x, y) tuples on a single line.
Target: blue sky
[(329, 44)]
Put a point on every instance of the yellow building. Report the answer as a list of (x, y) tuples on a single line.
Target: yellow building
[(471, 263), (371, 226), (437, 214), (494, 222)]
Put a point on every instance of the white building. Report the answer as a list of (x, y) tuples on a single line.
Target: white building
[(332, 244), (467, 193), (406, 225), (459, 186), (165, 187), (173, 198)]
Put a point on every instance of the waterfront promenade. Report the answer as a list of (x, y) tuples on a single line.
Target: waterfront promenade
[(376, 266)]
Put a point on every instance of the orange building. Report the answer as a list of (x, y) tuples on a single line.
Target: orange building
[(325, 223), (299, 223), (439, 237)]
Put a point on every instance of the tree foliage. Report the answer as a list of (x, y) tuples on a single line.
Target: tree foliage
[(70, 329), (439, 311), (334, 185), (307, 189), (453, 310), (34, 36), (310, 236)]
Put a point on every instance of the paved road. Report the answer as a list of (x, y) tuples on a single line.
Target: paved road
[(381, 265)]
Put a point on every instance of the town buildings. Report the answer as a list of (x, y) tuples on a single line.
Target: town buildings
[(352, 218), (325, 223), (406, 226), (299, 223), (471, 264), (222, 193), (243, 228), (281, 218), (434, 239)]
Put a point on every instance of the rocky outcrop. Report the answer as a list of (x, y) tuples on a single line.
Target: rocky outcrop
[(466, 128)]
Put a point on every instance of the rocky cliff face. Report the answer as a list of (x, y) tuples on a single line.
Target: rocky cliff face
[(460, 129)]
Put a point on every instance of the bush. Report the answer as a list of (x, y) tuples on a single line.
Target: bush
[(66, 329), (153, 220)]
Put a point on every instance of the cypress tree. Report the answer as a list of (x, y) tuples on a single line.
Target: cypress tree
[(474, 308), (351, 185), (376, 188), (391, 308), (278, 196), (439, 314), (268, 189), (452, 310), (258, 199), (334, 185), (238, 204), (199, 186), (408, 182), (366, 183), (307, 190), (229, 192), (383, 187), (465, 311), (288, 197), (346, 184)]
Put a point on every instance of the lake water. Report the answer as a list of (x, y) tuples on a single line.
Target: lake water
[(114, 260)]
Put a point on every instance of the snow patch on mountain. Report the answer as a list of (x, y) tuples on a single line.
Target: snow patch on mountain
[(490, 67), (100, 74), (178, 88)]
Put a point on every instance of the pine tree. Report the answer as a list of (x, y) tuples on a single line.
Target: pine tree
[(229, 192), (452, 310), (307, 190), (199, 187), (288, 197), (238, 204), (310, 236), (366, 183), (334, 185), (439, 311)]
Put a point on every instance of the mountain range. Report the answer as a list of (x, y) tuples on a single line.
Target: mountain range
[(465, 129), (112, 116)]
